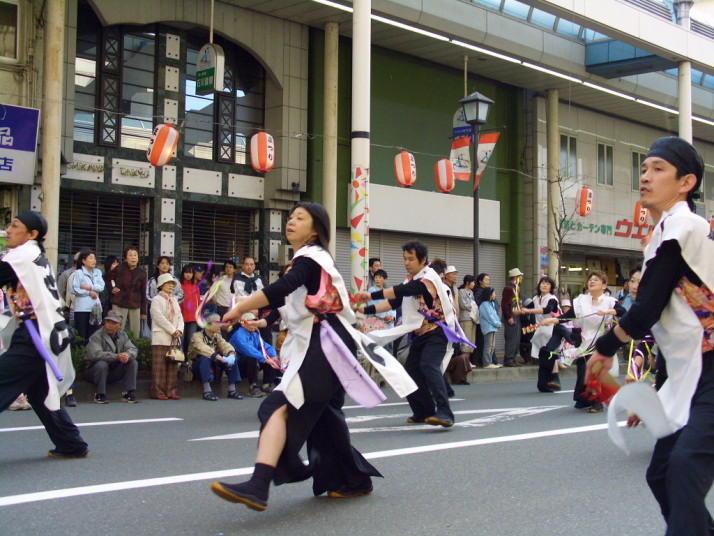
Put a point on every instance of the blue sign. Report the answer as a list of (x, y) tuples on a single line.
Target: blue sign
[(18, 143)]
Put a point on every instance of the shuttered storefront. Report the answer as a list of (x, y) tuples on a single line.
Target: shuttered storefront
[(459, 252), (213, 233), (104, 223)]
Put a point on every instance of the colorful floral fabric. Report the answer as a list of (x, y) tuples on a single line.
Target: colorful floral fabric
[(701, 300)]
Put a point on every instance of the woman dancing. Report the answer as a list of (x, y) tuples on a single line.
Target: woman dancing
[(307, 404)]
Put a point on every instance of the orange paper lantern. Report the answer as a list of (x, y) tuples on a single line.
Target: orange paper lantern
[(163, 144), (585, 201), (444, 175), (405, 169), (262, 152), (641, 214)]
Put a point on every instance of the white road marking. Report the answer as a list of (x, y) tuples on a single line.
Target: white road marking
[(397, 404), (565, 392), (101, 423), (367, 418), (24, 498), (500, 415)]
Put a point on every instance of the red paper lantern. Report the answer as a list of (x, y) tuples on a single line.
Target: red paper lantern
[(163, 144), (405, 169), (262, 152), (444, 175), (585, 201), (641, 214)]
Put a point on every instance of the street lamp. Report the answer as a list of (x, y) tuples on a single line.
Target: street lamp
[(475, 108)]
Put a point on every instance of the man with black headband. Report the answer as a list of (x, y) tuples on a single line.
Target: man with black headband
[(29, 284), (675, 300)]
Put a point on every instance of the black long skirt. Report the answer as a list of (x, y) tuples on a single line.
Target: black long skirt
[(333, 462)]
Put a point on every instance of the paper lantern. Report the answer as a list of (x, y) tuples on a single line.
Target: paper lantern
[(405, 169), (262, 152), (641, 214), (585, 201), (163, 144), (444, 175)]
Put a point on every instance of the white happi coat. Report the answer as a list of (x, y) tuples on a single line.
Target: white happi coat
[(413, 320), (678, 331), (542, 334), (35, 274), (299, 320)]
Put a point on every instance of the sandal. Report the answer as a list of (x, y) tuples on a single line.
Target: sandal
[(209, 395)]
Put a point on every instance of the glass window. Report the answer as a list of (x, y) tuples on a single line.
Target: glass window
[(604, 164), (708, 81), (493, 4), (568, 28), (708, 186), (85, 78), (137, 94), (542, 18), (568, 157), (516, 9), (8, 28), (592, 35), (198, 137), (250, 103), (637, 159)]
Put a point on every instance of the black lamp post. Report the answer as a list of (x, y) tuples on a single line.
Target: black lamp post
[(475, 107)]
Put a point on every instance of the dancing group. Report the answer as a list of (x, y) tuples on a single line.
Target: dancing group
[(674, 302)]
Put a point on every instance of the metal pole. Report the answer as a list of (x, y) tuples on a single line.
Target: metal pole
[(329, 144), (359, 189), (210, 28), (553, 172), (474, 168), (685, 100), (52, 123)]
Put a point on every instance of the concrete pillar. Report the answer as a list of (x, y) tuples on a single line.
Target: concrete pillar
[(685, 100), (554, 208), (51, 121), (359, 189), (329, 144), (682, 9)]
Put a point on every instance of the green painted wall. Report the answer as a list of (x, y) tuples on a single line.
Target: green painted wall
[(413, 102)]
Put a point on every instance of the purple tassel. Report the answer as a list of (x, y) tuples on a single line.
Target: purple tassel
[(451, 335), (355, 380)]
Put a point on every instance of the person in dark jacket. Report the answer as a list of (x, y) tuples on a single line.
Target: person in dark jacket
[(128, 294)]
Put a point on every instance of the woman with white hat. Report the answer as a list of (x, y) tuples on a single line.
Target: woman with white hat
[(166, 328)]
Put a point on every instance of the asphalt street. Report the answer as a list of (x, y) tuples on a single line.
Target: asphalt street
[(517, 462)]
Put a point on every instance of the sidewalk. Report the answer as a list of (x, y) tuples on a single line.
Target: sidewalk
[(84, 391)]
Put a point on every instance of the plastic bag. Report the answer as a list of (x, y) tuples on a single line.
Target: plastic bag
[(144, 330)]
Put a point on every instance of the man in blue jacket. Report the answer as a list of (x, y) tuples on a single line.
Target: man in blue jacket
[(254, 353)]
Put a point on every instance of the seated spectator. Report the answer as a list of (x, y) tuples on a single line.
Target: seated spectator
[(253, 354), (111, 357), (211, 356), (167, 327)]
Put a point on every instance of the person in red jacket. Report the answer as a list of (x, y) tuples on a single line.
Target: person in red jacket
[(128, 292), (189, 305)]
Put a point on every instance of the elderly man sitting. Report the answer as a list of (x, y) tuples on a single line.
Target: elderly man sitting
[(211, 356), (253, 354), (111, 357)]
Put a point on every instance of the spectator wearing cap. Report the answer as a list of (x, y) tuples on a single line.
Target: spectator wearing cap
[(510, 311), (167, 327), (211, 356), (111, 358), (252, 352)]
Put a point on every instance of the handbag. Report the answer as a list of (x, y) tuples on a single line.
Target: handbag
[(175, 353), (185, 371)]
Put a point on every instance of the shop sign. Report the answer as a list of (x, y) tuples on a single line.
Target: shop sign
[(209, 69), (623, 228), (18, 143)]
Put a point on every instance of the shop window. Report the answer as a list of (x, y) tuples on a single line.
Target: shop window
[(9, 13), (213, 233), (708, 187), (104, 223), (605, 168), (637, 159), (568, 157), (137, 90)]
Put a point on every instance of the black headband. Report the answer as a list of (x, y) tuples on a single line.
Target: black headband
[(682, 155), (34, 221)]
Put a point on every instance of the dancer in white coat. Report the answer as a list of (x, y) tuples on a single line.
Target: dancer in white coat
[(306, 407)]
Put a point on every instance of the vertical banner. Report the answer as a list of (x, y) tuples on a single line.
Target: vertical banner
[(460, 157), (486, 145), (359, 227)]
